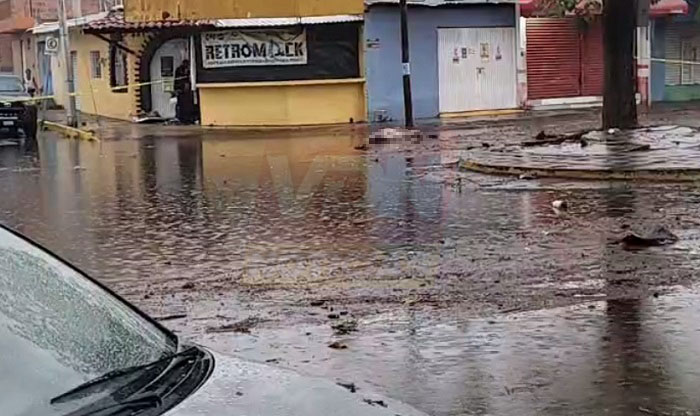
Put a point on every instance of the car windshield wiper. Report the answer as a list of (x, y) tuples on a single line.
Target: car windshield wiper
[(116, 377), (125, 408)]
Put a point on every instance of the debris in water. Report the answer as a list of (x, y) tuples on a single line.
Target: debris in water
[(344, 328), (333, 316), (613, 131), (528, 176), (362, 146), (317, 302), (188, 286), (543, 139), (656, 236), (338, 346), (640, 148), (243, 326), (560, 205), (394, 135), (349, 386), (375, 402), (171, 317)]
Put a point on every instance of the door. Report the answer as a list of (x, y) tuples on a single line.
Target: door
[(74, 64), (163, 65), (592, 60), (564, 58), (476, 69), (45, 76)]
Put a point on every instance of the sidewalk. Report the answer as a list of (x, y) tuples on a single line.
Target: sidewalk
[(530, 122)]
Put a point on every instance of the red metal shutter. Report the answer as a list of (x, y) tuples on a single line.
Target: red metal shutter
[(592, 60), (553, 58)]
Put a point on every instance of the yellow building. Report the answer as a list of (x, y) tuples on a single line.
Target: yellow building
[(122, 71), (252, 72), (157, 10), (269, 63), (106, 70)]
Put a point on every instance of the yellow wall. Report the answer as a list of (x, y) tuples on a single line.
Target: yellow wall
[(283, 103), (95, 96), (150, 10)]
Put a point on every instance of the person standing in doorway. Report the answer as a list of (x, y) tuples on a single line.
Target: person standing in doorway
[(30, 82), (183, 91)]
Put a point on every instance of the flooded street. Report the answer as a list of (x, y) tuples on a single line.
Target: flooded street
[(458, 293)]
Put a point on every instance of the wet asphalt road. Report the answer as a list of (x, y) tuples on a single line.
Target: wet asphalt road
[(470, 294)]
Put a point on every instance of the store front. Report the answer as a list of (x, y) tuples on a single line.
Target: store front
[(300, 71)]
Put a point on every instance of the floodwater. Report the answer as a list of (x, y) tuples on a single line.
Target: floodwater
[(470, 294)]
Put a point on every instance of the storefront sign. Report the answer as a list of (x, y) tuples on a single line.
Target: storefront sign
[(254, 48)]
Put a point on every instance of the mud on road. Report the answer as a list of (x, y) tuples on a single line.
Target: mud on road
[(435, 280)]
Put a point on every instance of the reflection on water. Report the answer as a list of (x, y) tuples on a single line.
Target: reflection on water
[(262, 226)]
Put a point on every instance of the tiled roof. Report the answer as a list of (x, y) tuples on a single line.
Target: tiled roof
[(114, 22)]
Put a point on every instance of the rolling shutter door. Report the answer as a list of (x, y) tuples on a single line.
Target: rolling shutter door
[(673, 53), (592, 60), (682, 44), (553, 58)]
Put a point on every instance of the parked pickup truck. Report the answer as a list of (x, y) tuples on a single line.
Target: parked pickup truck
[(17, 111)]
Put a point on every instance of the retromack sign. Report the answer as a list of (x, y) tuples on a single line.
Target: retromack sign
[(254, 48)]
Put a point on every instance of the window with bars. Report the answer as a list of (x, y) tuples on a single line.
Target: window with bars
[(95, 65), (690, 73), (119, 77)]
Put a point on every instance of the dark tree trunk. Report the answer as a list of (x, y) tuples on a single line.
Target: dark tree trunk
[(619, 103)]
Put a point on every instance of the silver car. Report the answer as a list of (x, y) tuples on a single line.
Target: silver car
[(70, 347)]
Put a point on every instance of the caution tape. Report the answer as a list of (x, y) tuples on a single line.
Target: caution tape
[(671, 61), (648, 175), (76, 94)]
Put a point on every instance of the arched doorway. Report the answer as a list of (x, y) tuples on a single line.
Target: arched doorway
[(163, 65)]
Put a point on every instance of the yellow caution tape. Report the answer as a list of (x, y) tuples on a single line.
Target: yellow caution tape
[(75, 94)]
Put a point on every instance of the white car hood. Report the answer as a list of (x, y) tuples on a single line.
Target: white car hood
[(243, 388)]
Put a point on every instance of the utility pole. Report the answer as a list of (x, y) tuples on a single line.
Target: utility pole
[(71, 113), (406, 63)]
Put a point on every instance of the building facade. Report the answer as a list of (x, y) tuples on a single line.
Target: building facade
[(275, 63), (565, 63), (174, 10), (18, 51), (675, 52), (463, 58)]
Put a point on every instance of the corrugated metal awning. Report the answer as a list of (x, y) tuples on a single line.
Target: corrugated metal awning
[(288, 21), (51, 27)]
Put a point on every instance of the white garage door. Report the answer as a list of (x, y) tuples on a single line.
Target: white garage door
[(477, 69)]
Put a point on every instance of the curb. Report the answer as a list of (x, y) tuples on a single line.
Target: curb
[(648, 175), (70, 132)]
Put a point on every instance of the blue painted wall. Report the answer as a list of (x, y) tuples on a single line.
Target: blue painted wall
[(658, 51), (383, 62)]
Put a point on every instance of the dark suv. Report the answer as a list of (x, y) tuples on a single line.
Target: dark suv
[(17, 111)]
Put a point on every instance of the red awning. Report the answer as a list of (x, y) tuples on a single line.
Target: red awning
[(661, 8), (668, 7)]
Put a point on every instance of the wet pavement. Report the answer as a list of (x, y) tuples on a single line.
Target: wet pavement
[(458, 293), (661, 150)]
